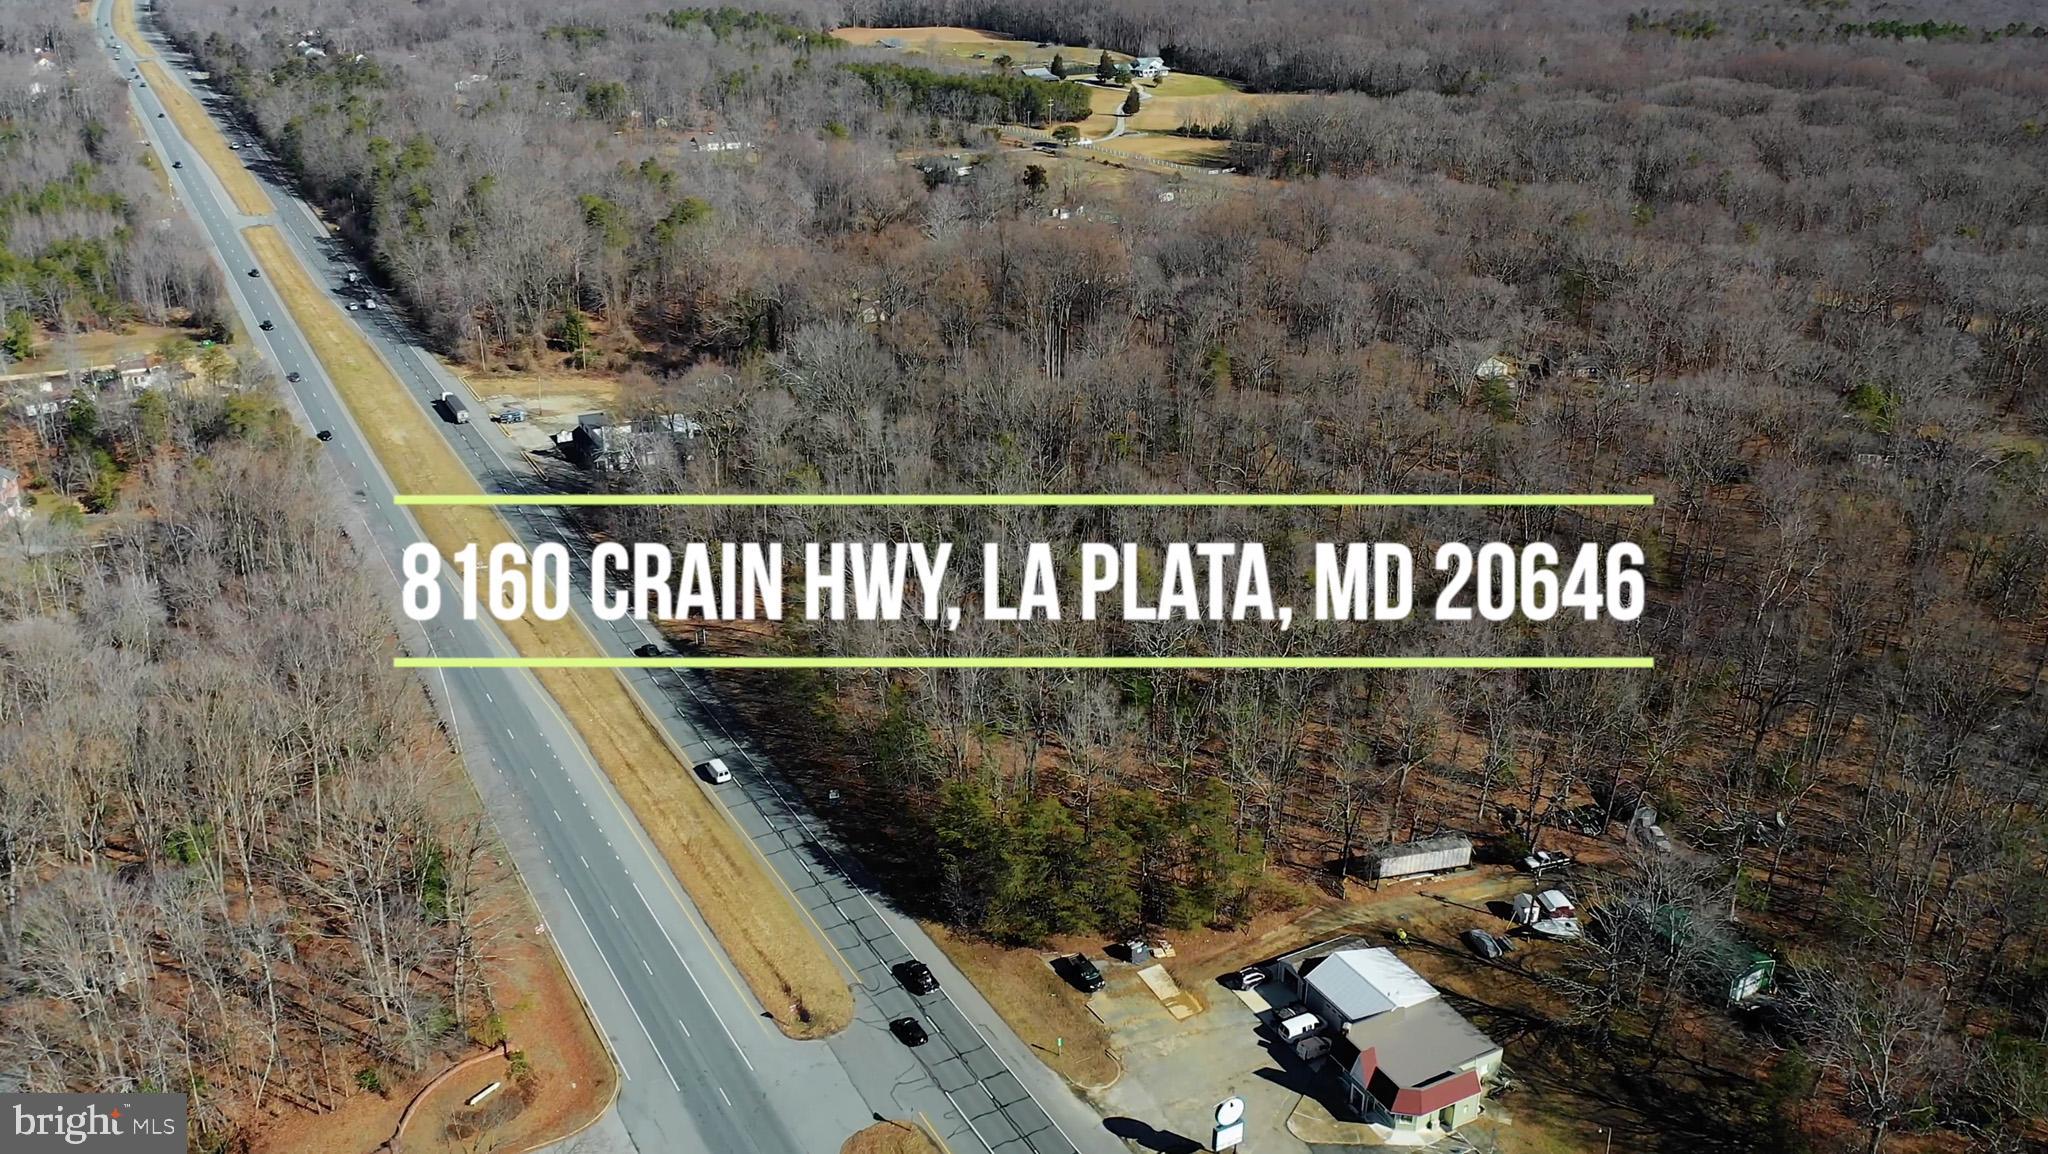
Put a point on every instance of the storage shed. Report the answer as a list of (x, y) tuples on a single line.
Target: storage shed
[(1430, 855)]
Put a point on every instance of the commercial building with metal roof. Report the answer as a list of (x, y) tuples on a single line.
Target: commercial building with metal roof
[(1412, 1066)]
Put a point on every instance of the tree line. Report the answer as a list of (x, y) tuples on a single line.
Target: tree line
[(224, 869)]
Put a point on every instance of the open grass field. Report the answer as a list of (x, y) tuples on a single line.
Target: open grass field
[(1181, 149), (1170, 103), (966, 43), (771, 945), (96, 347), (199, 131)]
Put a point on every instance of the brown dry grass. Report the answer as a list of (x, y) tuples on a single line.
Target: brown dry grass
[(124, 27), (891, 1138), (1040, 1007), (754, 917), (198, 130)]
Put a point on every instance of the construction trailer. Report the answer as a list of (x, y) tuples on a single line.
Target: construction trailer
[(1431, 855)]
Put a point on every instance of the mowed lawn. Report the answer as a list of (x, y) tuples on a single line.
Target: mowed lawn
[(1179, 99), (772, 945)]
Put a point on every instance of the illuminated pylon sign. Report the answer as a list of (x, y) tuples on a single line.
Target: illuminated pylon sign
[(1229, 1124)]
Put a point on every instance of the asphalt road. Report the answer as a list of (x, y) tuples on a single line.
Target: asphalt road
[(705, 1070)]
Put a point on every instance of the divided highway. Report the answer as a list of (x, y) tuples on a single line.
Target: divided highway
[(703, 1068)]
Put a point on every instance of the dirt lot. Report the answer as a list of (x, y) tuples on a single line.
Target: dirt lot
[(757, 922), (552, 401)]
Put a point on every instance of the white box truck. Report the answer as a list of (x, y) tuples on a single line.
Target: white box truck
[(457, 411)]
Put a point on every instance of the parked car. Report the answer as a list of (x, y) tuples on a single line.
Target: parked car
[(1546, 859), (915, 976), (1295, 1027), (647, 651), (1250, 976), (909, 1031), (1482, 943), (1078, 970), (715, 771)]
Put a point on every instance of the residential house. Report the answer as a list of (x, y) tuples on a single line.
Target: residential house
[(1497, 368), (1413, 1068), (1150, 68), (598, 442)]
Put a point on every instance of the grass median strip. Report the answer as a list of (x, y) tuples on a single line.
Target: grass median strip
[(125, 28), (761, 929), (199, 132)]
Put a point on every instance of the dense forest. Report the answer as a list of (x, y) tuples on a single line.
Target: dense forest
[(86, 241), (224, 866), (1779, 265)]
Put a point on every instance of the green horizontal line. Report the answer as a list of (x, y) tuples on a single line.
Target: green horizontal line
[(815, 500), (1024, 663)]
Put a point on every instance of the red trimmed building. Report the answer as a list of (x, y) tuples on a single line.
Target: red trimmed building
[(1413, 1067)]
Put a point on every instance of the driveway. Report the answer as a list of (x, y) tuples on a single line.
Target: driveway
[(1175, 1072)]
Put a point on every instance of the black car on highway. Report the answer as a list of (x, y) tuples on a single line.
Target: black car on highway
[(266, 326), (647, 651), (915, 976), (909, 1031)]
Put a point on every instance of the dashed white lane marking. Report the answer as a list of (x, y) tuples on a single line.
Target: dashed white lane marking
[(685, 1029), (628, 997), (723, 1094), (693, 977)]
